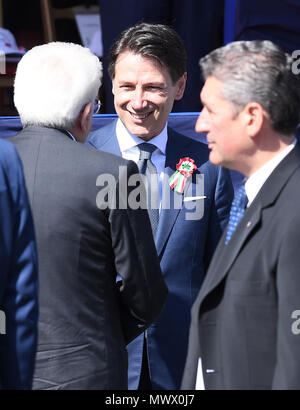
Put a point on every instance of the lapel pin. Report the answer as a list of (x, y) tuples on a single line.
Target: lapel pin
[(249, 223), (185, 167)]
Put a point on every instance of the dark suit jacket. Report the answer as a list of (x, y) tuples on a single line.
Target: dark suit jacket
[(244, 319), (18, 276), (86, 319), (184, 246)]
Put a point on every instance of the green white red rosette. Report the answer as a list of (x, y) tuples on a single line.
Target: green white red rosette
[(185, 167)]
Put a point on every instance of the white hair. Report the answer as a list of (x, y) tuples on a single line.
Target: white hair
[(54, 82)]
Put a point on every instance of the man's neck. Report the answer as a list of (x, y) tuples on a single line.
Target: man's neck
[(267, 149)]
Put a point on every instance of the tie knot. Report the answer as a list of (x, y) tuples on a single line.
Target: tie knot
[(146, 150)]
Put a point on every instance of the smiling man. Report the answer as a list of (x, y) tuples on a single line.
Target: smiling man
[(144, 93), (148, 72)]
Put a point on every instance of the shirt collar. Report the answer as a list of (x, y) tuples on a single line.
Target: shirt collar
[(254, 183), (127, 140), (71, 135)]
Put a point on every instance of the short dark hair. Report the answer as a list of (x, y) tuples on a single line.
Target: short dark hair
[(258, 71), (155, 41)]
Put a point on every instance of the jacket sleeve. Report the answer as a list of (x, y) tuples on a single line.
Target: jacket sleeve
[(19, 300), (142, 289)]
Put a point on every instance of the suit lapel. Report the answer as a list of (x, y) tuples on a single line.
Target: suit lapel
[(225, 255), (108, 140), (170, 207), (172, 201)]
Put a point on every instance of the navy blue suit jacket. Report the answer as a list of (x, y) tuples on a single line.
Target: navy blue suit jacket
[(184, 246), (18, 276)]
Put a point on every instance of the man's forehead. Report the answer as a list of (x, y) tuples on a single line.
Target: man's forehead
[(137, 66), (212, 89), (138, 58)]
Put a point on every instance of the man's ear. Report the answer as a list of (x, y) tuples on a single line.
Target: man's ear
[(85, 117), (254, 116), (180, 86)]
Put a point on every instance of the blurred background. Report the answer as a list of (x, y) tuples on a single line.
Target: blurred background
[(96, 24), (202, 24)]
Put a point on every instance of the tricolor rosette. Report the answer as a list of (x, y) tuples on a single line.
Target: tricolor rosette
[(185, 167)]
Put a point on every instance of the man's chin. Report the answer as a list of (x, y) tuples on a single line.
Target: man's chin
[(141, 132), (214, 158), (146, 137)]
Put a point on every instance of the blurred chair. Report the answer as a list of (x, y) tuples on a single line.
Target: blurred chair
[(50, 14)]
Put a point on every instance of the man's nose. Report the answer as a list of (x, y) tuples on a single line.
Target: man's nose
[(203, 123), (138, 101)]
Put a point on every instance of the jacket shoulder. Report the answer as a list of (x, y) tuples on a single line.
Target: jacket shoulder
[(100, 136), (6, 148), (9, 160)]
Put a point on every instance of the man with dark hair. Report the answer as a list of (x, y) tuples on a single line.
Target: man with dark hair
[(188, 213), (18, 276), (245, 321)]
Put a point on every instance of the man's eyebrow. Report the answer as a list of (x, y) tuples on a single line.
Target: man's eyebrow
[(156, 83), (206, 102), (202, 100), (148, 84), (125, 81)]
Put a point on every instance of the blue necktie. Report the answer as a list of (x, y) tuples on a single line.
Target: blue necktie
[(147, 168), (237, 210)]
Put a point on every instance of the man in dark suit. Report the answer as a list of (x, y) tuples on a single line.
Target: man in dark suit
[(245, 321), (86, 232), (18, 276), (148, 70)]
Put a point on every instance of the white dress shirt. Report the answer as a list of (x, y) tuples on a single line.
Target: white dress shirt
[(255, 182), (129, 150), (71, 135)]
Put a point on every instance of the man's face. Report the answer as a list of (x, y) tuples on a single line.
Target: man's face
[(225, 130), (144, 94)]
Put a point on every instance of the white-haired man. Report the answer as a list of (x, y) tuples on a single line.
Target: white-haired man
[(86, 317)]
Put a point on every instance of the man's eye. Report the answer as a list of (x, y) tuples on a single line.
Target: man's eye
[(126, 87), (154, 87)]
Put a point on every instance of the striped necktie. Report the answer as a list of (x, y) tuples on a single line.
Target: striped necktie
[(147, 168)]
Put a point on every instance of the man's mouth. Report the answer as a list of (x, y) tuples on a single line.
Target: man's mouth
[(140, 116)]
